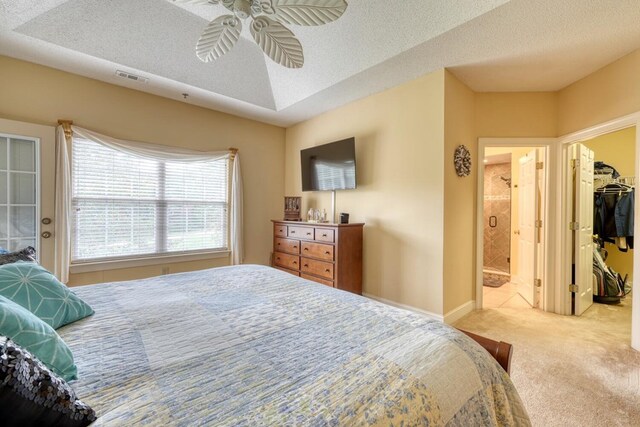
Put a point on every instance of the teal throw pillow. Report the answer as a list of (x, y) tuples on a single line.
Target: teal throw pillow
[(37, 290), (38, 338)]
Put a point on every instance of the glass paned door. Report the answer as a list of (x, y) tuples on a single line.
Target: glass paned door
[(18, 192)]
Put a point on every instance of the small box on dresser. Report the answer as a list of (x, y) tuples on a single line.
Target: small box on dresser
[(330, 254)]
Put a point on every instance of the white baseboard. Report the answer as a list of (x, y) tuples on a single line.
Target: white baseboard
[(459, 312), (434, 316)]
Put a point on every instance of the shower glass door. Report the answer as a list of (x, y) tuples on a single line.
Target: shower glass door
[(19, 179)]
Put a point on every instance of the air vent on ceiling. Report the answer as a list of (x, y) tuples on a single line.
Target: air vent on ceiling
[(131, 77)]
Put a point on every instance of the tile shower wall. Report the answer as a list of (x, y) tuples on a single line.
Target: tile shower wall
[(497, 204)]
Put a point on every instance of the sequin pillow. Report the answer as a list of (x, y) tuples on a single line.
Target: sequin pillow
[(33, 287), (35, 336), (27, 254), (32, 395)]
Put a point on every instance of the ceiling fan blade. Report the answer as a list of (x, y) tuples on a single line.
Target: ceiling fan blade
[(309, 12), (218, 38), (277, 42)]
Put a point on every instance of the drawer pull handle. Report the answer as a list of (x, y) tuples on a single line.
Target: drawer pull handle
[(295, 247), (308, 234), (306, 265), (327, 270), (293, 231), (306, 249), (278, 244), (278, 259), (295, 262), (324, 235), (327, 253)]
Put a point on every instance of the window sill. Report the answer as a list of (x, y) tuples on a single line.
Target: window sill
[(87, 267)]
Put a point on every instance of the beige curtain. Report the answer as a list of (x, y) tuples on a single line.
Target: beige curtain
[(237, 248), (140, 149), (62, 225)]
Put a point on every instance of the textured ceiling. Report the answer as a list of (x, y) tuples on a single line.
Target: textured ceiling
[(492, 45)]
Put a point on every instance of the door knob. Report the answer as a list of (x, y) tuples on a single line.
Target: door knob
[(46, 221), (46, 234)]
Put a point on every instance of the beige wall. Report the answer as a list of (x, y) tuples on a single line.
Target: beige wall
[(617, 149), (399, 147), (522, 115), (37, 94), (609, 93), (459, 196), (403, 236)]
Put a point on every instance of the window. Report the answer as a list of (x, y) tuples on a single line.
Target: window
[(128, 206), (18, 192)]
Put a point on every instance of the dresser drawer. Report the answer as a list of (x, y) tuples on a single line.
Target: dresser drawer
[(287, 245), (301, 232), (317, 268), (280, 230), (291, 262), (325, 235), (317, 279), (318, 250), (295, 273)]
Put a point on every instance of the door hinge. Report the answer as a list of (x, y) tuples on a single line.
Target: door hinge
[(539, 223), (573, 288), (538, 283), (540, 165), (574, 226), (575, 163)]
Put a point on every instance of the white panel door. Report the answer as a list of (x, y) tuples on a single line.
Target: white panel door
[(19, 207), (583, 237), (527, 216)]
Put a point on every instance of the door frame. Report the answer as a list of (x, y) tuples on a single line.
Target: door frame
[(551, 167), (563, 244)]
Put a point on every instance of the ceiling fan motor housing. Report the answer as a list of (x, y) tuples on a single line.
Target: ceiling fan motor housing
[(242, 8)]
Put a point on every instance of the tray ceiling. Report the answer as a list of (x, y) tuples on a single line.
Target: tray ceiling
[(492, 45)]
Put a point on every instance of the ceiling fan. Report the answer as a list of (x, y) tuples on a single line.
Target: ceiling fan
[(267, 26)]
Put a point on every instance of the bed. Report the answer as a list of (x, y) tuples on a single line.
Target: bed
[(251, 345)]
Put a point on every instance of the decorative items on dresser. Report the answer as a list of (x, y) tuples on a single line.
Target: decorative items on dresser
[(330, 254), (292, 208)]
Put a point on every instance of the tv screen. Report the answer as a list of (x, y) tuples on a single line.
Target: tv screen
[(330, 166)]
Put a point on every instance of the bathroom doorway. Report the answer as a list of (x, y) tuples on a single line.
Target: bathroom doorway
[(514, 186), (497, 220)]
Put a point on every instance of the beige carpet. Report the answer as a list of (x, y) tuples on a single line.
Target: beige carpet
[(569, 371)]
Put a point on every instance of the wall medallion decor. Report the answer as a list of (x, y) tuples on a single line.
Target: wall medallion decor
[(462, 161)]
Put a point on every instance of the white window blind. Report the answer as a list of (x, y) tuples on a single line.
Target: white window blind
[(126, 206)]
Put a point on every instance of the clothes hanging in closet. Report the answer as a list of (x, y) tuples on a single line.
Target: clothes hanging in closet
[(613, 217)]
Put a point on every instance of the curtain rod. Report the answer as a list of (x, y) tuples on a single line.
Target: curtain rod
[(66, 126)]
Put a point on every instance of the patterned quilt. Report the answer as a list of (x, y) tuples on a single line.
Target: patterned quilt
[(253, 346)]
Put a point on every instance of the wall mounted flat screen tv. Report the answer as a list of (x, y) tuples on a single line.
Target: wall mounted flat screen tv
[(329, 167)]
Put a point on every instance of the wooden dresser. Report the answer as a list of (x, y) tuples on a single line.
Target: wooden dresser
[(330, 254)]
